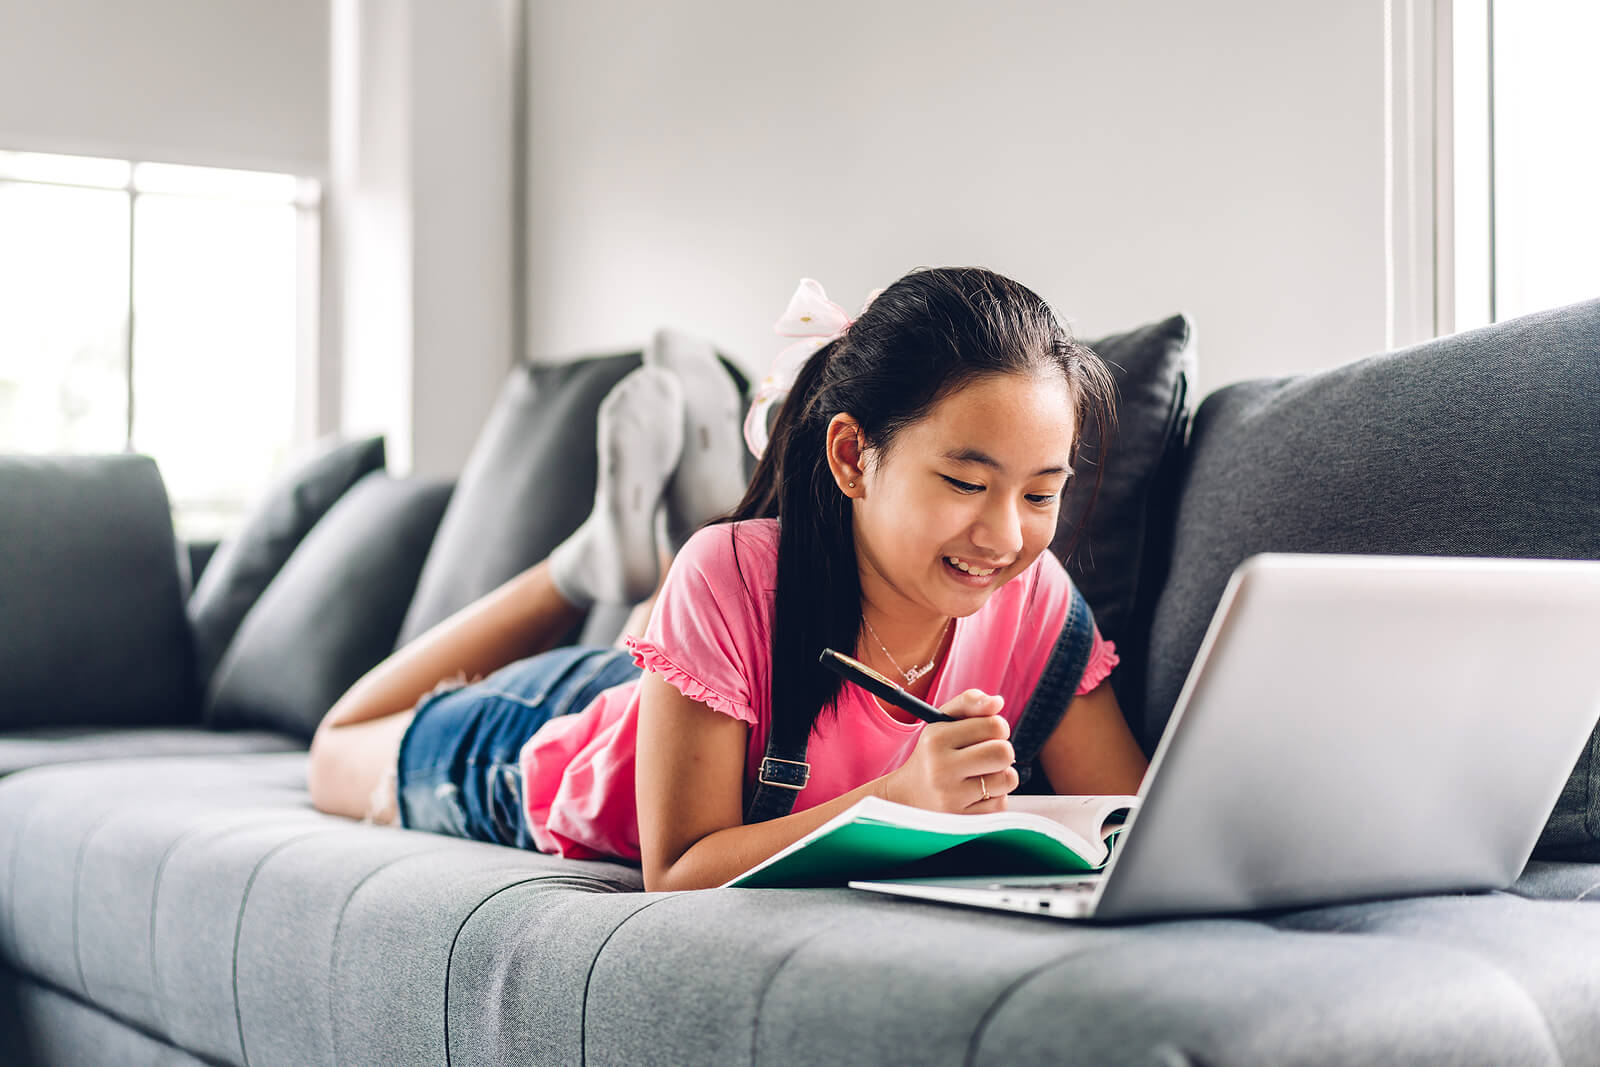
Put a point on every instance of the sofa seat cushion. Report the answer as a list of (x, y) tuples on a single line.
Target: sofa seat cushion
[(204, 902), (21, 749)]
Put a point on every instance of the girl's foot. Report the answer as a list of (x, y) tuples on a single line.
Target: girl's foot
[(710, 479), (612, 557)]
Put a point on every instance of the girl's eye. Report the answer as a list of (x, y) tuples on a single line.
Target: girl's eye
[(1039, 500)]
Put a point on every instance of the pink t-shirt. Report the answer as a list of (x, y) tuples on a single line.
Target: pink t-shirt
[(710, 635)]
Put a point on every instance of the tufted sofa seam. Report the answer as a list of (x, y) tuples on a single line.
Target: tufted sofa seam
[(238, 925), (338, 928), (588, 976), (450, 959), (11, 875), (766, 984), (77, 879), (131, 1024), (1006, 993), (156, 984)]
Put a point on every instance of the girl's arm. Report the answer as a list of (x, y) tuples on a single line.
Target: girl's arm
[(690, 778), (1092, 751)]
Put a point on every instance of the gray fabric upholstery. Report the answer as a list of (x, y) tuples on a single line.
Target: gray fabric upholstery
[(92, 626), (43, 745), (202, 903), (243, 564), (1479, 444), (332, 613), (51, 1028), (527, 485), (1119, 557)]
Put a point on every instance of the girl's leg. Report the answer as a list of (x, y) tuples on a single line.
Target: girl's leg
[(353, 751), (611, 556)]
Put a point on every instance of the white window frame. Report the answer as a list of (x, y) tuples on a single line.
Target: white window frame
[(308, 205)]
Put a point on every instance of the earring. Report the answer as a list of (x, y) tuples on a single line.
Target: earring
[(852, 485)]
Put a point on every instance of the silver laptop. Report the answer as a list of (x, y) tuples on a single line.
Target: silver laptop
[(1353, 728)]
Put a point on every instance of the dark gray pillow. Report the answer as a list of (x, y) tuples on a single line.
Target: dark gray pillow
[(527, 485), (333, 611), (92, 628), (1479, 444), (1119, 558), (245, 563)]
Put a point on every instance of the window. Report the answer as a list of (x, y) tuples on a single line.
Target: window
[(162, 309), (1525, 107)]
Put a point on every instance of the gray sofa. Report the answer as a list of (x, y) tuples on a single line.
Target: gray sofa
[(168, 895)]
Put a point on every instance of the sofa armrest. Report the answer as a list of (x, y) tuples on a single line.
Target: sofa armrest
[(92, 624)]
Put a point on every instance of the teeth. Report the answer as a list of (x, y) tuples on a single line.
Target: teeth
[(975, 571)]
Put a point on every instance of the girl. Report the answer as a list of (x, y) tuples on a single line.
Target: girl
[(901, 514)]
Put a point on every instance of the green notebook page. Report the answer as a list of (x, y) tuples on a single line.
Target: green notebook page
[(866, 848)]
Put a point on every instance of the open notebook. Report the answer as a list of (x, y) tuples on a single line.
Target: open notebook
[(876, 838)]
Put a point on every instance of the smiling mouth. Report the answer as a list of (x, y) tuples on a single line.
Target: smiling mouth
[(968, 568)]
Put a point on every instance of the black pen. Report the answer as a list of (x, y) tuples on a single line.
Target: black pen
[(853, 670)]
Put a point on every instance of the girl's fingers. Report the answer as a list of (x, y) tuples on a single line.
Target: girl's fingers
[(999, 782), (987, 757), (973, 703)]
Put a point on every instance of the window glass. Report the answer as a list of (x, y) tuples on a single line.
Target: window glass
[(63, 312), (1546, 154), (214, 351)]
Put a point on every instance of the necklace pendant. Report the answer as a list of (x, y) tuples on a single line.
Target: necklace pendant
[(916, 672)]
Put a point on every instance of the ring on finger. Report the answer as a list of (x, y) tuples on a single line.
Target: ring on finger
[(984, 786)]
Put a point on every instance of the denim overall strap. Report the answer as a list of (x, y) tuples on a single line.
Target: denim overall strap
[(1058, 683), (783, 773)]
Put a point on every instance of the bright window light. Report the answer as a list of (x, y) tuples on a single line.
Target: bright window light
[(1526, 159), (1546, 154), (209, 264), (63, 316)]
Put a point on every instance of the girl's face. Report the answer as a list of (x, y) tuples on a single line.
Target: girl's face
[(965, 499)]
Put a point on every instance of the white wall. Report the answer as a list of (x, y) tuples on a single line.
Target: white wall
[(689, 162), (231, 83), (420, 222)]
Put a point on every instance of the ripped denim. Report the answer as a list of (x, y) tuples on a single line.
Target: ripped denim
[(458, 770)]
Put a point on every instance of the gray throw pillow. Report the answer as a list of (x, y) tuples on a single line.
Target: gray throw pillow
[(245, 563), (331, 614), (1479, 444), (1118, 562), (92, 628), (527, 485)]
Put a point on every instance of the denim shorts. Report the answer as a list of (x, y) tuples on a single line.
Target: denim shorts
[(458, 772)]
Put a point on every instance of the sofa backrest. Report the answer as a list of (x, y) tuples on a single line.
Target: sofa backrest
[(92, 623), (1483, 443)]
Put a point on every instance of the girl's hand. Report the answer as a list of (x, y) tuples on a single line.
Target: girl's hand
[(942, 773)]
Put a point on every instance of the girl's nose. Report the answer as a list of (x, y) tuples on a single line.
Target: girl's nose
[(999, 528)]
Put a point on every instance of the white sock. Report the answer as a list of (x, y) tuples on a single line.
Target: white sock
[(710, 478), (612, 557)]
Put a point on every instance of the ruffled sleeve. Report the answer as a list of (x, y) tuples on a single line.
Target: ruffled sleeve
[(708, 633), (1102, 657), (651, 658), (1048, 602)]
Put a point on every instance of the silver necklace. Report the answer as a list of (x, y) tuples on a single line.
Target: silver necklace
[(914, 673)]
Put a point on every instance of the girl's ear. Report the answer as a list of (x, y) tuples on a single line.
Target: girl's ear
[(845, 445)]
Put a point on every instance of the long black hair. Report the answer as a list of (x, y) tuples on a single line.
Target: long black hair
[(924, 337)]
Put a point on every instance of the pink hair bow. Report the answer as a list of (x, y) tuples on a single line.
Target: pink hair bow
[(815, 320)]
